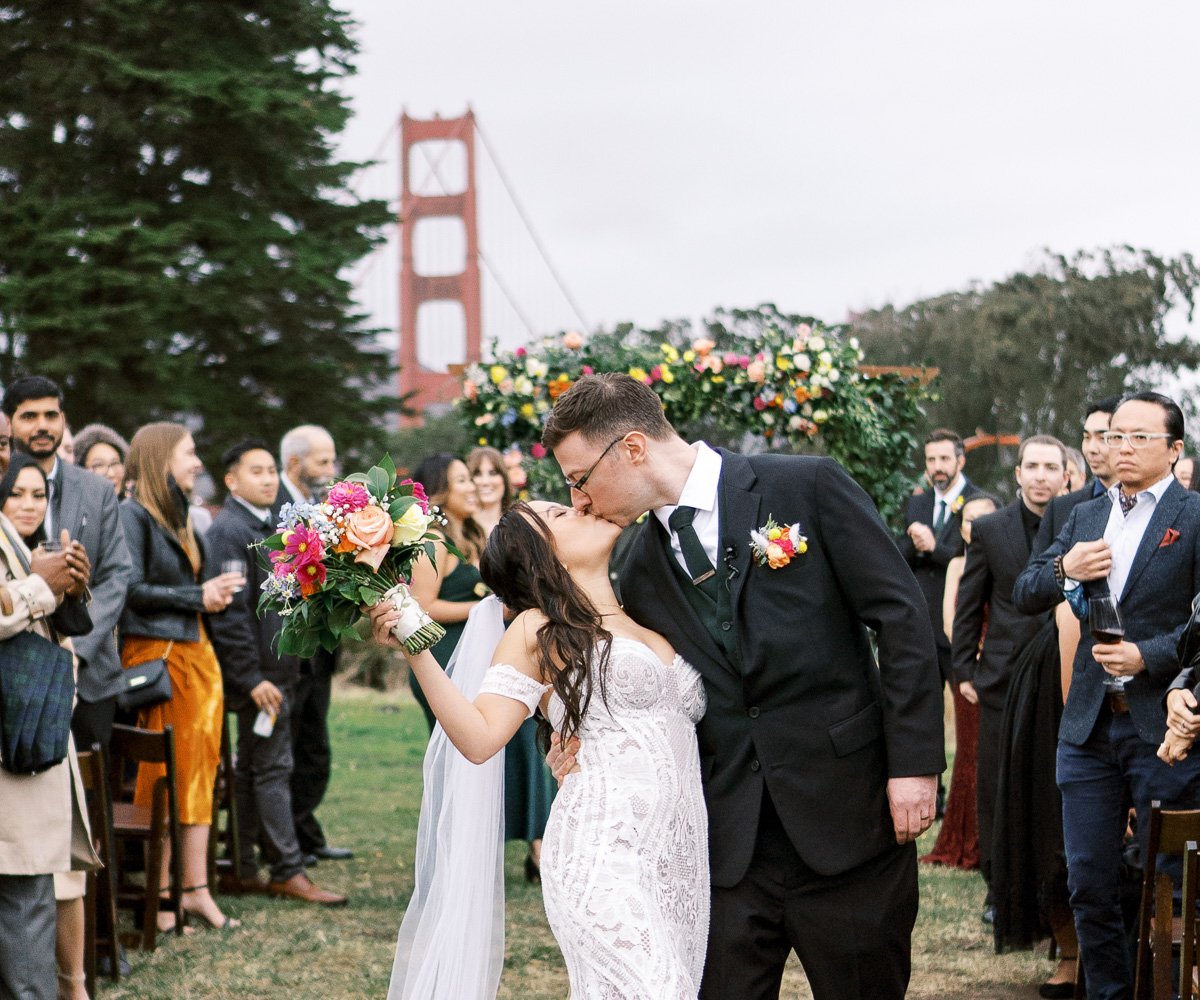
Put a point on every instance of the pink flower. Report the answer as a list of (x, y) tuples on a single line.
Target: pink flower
[(520, 352), (703, 346), (418, 491), (302, 546), (731, 359), (588, 370), (346, 497), (656, 373), (311, 578), (572, 341), (759, 403), (537, 450), (756, 371)]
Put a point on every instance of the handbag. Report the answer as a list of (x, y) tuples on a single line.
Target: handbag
[(145, 684), (37, 691)]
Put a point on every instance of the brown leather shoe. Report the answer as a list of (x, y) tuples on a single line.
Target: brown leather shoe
[(301, 887), (255, 885)]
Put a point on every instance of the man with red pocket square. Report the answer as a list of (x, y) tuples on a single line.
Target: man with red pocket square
[(1140, 543)]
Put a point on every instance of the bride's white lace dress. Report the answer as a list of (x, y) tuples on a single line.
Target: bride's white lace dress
[(625, 855)]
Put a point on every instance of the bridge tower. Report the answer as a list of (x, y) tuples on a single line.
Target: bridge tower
[(435, 385)]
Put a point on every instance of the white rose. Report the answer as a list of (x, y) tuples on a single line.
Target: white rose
[(411, 526), (816, 344)]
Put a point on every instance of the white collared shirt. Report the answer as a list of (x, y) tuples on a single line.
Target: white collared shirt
[(1124, 531), (948, 498), (700, 491), (262, 513), (296, 493)]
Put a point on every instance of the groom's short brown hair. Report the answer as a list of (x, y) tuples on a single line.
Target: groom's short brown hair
[(606, 405)]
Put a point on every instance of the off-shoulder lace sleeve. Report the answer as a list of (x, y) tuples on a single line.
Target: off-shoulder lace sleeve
[(507, 681)]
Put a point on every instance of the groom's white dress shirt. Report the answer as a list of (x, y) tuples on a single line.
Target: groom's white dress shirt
[(700, 492)]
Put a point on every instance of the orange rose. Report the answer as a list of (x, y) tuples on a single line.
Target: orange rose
[(776, 557), (370, 529)]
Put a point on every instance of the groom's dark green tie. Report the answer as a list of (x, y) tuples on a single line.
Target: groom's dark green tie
[(700, 569)]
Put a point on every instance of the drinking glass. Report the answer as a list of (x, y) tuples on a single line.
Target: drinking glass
[(1104, 618), (235, 566)]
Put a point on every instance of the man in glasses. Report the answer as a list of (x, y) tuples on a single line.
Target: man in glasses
[(820, 765), (1138, 546)]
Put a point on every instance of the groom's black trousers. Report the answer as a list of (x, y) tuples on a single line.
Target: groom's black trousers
[(852, 932)]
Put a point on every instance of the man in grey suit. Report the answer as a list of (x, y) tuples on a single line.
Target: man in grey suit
[(86, 506), (1138, 546)]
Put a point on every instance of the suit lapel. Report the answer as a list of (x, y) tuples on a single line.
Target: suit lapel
[(1165, 512), (740, 510), (70, 503), (1017, 545)]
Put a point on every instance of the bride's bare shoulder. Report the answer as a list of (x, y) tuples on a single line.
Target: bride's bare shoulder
[(518, 647)]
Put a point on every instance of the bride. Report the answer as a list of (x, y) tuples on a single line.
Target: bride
[(625, 856)]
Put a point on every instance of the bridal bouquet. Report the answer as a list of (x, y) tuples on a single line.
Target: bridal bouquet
[(356, 548)]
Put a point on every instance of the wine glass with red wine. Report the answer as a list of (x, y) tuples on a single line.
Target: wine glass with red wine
[(1105, 619)]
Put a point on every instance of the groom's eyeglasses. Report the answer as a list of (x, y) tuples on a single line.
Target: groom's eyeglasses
[(581, 482)]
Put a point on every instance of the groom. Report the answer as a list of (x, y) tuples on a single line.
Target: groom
[(819, 766)]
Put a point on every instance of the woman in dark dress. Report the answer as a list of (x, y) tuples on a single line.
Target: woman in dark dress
[(451, 587)]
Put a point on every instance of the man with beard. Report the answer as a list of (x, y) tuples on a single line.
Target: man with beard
[(309, 461), (86, 506), (933, 536)]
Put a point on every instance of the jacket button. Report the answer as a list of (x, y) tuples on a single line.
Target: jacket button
[(752, 712), (755, 765), (726, 626)]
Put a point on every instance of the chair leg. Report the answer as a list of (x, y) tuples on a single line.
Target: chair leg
[(1163, 920)]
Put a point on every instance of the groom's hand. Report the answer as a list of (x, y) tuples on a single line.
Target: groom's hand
[(912, 801), (560, 760)]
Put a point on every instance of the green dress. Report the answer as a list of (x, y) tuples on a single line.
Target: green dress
[(463, 584)]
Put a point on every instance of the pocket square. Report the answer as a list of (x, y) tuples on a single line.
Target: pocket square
[(1170, 537)]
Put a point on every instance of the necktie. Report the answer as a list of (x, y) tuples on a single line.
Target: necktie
[(941, 517), (701, 570), (1128, 502)]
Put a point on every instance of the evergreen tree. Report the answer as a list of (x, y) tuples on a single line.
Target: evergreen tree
[(176, 226)]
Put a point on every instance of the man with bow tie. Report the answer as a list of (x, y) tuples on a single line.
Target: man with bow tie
[(1138, 543)]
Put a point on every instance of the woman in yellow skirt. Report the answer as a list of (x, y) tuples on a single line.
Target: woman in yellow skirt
[(163, 617)]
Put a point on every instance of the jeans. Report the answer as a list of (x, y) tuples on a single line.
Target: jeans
[(1099, 782)]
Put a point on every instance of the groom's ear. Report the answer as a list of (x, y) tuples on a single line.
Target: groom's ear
[(637, 447)]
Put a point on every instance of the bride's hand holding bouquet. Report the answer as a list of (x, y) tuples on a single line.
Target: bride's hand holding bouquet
[(355, 549)]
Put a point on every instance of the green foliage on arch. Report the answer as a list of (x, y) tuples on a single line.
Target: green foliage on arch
[(759, 379)]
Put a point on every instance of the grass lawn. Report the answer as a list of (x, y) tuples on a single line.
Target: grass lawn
[(289, 950)]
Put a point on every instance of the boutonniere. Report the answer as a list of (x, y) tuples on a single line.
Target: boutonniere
[(777, 545), (957, 506), (1170, 537), (482, 590)]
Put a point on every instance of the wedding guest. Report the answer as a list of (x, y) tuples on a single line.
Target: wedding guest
[(24, 497), (43, 828), (164, 618), (66, 448), (528, 784), (309, 462), (1114, 717), (85, 505), (102, 451), (449, 587), (957, 842), (258, 679)]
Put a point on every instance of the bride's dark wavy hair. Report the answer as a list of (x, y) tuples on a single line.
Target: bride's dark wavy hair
[(520, 566)]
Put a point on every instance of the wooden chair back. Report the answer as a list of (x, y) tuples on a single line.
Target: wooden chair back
[(100, 902), (1160, 933)]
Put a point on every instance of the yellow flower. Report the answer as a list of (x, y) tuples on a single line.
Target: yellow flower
[(410, 527), (527, 411), (638, 373), (782, 363), (497, 373), (689, 356), (820, 416), (803, 546), (774, 534), (483, 442), (669, 352), (667, 375)]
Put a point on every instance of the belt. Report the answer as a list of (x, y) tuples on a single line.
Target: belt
[(1118, 704)]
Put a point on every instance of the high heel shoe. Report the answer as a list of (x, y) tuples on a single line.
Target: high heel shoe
[(1059, 991), (228, 924), (533, 872)]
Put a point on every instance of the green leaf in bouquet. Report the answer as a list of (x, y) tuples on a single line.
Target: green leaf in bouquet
[(400, 506), (388, 466), (431, 552), (369, 597), (379, 482), (273, 544), (358, 477)]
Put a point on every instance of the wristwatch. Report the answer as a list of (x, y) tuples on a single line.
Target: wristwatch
[(1060, 575)]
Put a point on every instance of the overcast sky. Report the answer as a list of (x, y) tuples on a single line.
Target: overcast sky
[(825, 156)]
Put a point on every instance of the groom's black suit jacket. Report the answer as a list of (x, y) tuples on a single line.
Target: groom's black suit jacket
[(805, 713)]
